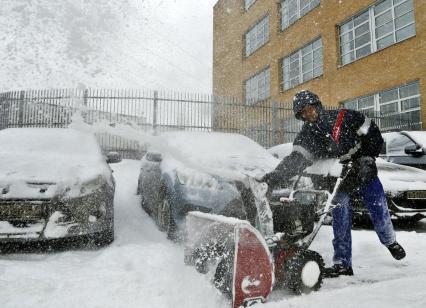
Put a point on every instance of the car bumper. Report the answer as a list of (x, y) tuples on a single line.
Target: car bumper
[(34, 220)]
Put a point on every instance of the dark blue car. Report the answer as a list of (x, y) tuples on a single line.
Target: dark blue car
[(187, 171)]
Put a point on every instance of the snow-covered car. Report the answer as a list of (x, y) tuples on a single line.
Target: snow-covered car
[(405, 148), (405, 187), (54, 184), (186, 171)]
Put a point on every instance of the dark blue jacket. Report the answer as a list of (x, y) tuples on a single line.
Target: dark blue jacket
[(344, 134)]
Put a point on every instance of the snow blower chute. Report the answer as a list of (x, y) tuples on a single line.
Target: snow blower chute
[(242, 261)]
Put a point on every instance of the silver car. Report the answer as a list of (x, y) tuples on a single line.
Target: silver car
[(54, 184)]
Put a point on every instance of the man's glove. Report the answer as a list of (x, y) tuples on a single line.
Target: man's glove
[(352, 153), (272, 178)]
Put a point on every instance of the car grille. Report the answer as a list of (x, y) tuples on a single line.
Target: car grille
[(22, 210)]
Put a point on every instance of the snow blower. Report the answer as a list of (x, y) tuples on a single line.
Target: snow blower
[(248, 261)]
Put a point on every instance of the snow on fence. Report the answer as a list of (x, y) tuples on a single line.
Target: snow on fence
[(268, 123)]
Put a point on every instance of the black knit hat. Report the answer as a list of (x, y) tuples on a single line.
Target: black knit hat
[(303, 99)]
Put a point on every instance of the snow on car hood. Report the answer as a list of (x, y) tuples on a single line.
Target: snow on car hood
[(395, 178), (39, 163), (230, 156)]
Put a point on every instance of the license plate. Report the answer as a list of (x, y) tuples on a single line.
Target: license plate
[(416, 194), (20, 211)]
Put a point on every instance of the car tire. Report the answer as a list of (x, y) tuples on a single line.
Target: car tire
[(144, 204), (164, 215), (104, 238)]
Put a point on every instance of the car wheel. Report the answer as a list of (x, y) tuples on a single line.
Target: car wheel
[(144, 204), (165, 218)]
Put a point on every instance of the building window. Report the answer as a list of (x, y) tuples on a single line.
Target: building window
[(303, 65), (248, 4), (257, 36), (386, 23), (257, 87), (393, 108), (292, 10)]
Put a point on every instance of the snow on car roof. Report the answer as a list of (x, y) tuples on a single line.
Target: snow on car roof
[(214, 152), (51, 140), (213, 143)]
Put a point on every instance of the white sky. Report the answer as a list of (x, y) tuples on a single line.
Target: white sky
[(148, 44)]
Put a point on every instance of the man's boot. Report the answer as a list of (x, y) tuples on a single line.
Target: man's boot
[(396, 250), (337, 270)]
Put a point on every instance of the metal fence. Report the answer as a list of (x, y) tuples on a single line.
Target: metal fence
[(267, 123)]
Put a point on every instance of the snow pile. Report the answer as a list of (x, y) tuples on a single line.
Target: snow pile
[(107, 44)]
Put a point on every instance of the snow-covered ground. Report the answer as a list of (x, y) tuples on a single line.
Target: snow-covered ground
[(141, 268)]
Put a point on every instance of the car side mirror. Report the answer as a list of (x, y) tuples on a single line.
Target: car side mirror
[(113, 157), (413, 150), (154, 157)]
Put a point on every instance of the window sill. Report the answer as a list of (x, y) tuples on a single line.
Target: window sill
[(246, 57), (299, 84)]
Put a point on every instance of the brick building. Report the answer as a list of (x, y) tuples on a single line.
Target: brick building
[(364, 54)]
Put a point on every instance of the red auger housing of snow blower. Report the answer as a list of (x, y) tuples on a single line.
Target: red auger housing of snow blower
[(248, 262)]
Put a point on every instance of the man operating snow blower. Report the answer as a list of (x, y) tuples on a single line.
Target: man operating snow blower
[(356, 141)]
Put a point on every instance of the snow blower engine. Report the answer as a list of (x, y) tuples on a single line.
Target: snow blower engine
[(246, 261)]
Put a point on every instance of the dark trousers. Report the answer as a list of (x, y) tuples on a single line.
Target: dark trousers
[(373, 196)]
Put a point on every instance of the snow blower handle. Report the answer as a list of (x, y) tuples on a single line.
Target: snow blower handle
[(328, 207)]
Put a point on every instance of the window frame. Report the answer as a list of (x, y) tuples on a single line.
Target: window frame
[(252, 28), (298, 14), (301, 71), (377, 107), (374, 37), (248, 4), (258, 74)]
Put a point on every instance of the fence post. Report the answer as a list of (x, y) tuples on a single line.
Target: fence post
[(2, 111), (21, 108), (84, 111), (155, 111), (274, 123)]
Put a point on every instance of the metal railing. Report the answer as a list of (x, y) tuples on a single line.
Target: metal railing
[(268, 123)]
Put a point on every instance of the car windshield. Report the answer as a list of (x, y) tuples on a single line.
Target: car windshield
[(396, 143)]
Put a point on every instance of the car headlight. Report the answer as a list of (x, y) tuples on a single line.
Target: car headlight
[(85, 188)]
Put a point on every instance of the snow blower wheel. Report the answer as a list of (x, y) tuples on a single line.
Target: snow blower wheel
[(304, 272)]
